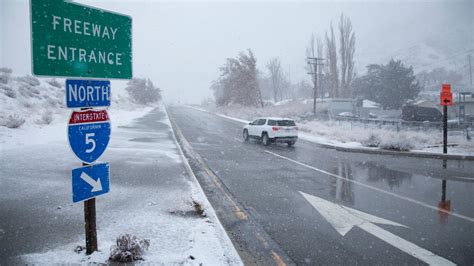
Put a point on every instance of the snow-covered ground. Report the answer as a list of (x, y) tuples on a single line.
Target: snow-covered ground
[(151, 194), (352, 134)]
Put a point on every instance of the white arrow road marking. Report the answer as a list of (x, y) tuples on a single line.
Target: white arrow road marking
[(96, 185), (464, 217), (344, 218)]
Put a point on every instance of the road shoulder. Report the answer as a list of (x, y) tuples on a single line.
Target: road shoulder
[(254, 245)]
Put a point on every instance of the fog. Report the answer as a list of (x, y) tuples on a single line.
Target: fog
[(180, 46)]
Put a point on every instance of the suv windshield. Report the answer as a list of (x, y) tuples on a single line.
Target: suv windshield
[(286, 123)]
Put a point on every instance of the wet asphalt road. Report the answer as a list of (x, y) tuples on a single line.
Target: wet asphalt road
[(267, 182)]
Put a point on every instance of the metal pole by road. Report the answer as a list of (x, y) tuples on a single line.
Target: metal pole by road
[(90, 226), (445, 148), (314, 62), (90, 220), (445, 129)]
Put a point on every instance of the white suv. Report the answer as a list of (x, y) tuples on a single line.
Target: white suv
[(272, 129)]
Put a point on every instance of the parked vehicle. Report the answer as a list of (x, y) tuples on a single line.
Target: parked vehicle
[(272, 129), (420, 113)]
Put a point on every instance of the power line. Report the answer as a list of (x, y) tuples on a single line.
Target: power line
[(451, 57)]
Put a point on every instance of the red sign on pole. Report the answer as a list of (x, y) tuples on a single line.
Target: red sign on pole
[(446, 96)]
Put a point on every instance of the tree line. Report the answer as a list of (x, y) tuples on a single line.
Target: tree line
[(332, 76)]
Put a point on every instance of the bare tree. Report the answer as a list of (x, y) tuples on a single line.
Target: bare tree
[(276, 77), (346, 52), (333, 75), (238, 82)]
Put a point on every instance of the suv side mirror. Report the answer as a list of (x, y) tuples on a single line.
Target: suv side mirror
[(250, 123)]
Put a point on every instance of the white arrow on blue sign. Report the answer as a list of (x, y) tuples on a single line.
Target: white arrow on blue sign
[(90, 181), (89, 134), (87, 93)]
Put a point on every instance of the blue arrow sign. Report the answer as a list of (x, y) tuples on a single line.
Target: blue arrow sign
[(89, 134), (87, 93), (90, 181)]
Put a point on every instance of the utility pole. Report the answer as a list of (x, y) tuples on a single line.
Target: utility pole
[(314, 62)]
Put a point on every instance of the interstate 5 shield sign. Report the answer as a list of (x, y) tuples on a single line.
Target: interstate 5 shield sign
[(89, 134)]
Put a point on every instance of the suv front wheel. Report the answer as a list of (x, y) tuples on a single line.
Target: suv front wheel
[(246, 135), (265, 139)]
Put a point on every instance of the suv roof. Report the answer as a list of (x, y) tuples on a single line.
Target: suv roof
[(273, 118)]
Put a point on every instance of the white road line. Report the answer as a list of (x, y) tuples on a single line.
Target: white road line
[(343, 219), (467, 218), (238, 140), (404, 245)]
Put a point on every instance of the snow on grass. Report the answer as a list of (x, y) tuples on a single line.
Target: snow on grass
[(387, 137), (165, 214), (33, 110)]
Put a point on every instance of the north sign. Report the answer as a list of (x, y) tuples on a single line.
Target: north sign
[(87, 93), (89, 134), (90, 181), (72, 40)]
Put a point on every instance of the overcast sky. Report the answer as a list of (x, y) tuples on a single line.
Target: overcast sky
[(180, 46)]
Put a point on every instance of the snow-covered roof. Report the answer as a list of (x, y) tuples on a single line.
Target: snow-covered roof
[(369, 104), (424, 103)]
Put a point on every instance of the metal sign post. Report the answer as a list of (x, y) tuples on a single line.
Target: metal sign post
[(90, 225), (89, 134), (446, 99), (73, 40), (88, 182)]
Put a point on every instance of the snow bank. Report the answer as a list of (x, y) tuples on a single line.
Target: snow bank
[(387, 137)]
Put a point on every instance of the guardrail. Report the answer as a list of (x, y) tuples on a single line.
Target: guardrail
[(407, 124), (398, 124)]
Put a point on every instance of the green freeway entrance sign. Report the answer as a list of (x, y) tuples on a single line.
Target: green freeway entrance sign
[(73, 40)]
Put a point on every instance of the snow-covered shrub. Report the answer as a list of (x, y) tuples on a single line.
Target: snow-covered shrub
[(199, 209), (142, 91), (5, 75), (29, 91), (14, 121), (30, 80), (54, 83), (372, 141), (129, 248), (397, 143), (46, 118), (7, 90)]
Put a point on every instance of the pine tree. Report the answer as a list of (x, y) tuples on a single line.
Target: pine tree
[(390, 85)]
